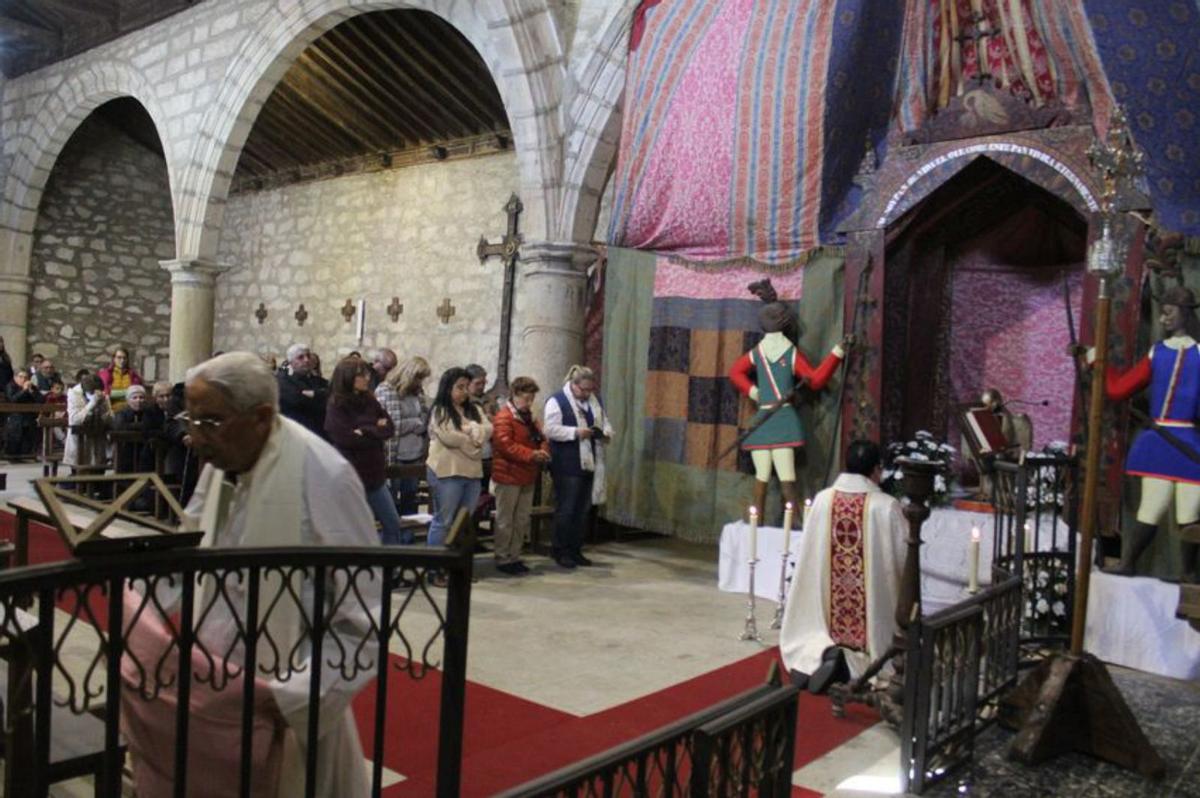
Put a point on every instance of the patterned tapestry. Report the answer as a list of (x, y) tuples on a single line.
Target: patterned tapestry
[(1038, 50), (1151, 52), (671, 334), (730, 148)]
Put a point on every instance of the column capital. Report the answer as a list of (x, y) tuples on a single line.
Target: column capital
[(194, 271), (16, 284), (568, 258)]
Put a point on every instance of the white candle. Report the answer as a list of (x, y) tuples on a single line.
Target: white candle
[(973, 585), (787, 521), (807, 510), (1028, 537), (753, 533)]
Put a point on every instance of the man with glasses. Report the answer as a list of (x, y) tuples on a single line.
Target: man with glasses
[(302, 393), (270, 482)]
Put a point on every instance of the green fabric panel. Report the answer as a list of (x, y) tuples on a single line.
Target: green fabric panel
[(680, 500), (820, 330), (628, 300)]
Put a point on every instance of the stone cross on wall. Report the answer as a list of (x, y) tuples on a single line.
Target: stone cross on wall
[(445, 311), (508, 250)]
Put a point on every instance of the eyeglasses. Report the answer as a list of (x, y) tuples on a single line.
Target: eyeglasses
[(206, 424)]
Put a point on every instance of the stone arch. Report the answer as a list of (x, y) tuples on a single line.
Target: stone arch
[(38, 148), (998, 151), (594, 128), (512, 39)]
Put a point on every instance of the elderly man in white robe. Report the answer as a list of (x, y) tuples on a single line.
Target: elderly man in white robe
[(840, 613), (271, 482)]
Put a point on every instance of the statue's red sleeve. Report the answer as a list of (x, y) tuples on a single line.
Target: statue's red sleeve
[(742, 374), (1119, 386), (819, 377)]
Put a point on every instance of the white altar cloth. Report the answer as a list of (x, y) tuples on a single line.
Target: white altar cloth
[(944, 557), (1131, 621)]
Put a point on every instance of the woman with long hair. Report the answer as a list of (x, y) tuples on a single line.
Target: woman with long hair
[(457, 433), (118, 377), (358, 426), (402, 394)]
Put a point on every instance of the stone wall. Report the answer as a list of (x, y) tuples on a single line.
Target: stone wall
[(104, 224), (409, 233)]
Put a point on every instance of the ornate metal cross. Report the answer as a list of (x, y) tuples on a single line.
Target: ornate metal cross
[(395, 309), (261, 312), (301, 315), (974, 31), (508, 250), (445, 311), (348, 310)]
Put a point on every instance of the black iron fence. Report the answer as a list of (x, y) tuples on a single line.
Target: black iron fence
[(959, 662), (1035, 537), (742, 746), (178, 643)]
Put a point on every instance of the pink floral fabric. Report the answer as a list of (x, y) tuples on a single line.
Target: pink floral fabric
[(1009, 331), (677, 280)]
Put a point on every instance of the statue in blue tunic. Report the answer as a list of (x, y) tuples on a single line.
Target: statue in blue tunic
[(1172, 372)]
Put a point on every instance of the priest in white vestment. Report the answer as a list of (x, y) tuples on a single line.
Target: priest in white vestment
[(271, 482), (847, 578)]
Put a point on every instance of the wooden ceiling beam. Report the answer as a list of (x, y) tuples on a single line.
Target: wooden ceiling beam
[(451, 53), (429, 67), (368, 101), (333, 102), (419, 96), (14, 30), (413, 126), (294, 113)]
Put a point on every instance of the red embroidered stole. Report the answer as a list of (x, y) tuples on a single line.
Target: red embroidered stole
[(847, 571)]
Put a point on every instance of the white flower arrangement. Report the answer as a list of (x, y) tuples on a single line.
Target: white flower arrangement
[(923, 446), (1046, 592), (1046, 483)]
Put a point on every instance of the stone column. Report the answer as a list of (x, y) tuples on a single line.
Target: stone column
[(548, 322), (14, 316), (193, 286)]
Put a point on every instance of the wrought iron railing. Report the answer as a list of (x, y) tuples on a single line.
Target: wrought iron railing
[(1035, 536), (174, 628), (741, 746), (959, 662)]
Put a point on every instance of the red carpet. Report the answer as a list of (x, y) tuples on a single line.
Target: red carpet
[(509, 740)]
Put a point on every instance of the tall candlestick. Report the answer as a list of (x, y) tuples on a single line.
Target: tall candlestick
[(753, 534), (973, 585), (807, 510), (777, 622)]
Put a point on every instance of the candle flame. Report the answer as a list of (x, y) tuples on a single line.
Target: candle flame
[(787, 505), (975, 534), (808, 502), (753, 510)]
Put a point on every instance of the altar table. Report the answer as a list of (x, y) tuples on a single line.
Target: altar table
[(1131, 620)]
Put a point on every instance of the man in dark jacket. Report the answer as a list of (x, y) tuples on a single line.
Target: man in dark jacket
[(302, 394), (138, 415)]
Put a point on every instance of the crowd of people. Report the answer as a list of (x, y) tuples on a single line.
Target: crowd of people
[(477, 450)]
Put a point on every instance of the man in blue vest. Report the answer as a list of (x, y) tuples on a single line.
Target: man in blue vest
[(577, 428)]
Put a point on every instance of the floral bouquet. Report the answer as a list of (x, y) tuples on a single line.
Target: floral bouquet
[(1047, 485), (1046, 592), (922, 447)]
